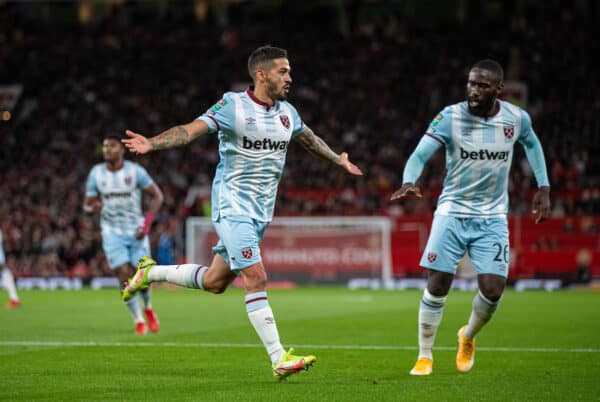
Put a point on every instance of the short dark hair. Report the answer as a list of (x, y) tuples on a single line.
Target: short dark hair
[(491, 65), (262, 55), (114, 138)]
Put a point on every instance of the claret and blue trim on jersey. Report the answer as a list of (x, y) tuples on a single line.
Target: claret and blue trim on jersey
[(121, 195), (2, 256), (479, 153), (253, 143)]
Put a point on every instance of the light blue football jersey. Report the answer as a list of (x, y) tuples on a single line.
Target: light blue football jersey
[(2, 256), (479, 154), (121, 195), (253, 143)]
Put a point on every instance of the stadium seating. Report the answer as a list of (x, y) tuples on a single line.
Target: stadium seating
[(364, 91)]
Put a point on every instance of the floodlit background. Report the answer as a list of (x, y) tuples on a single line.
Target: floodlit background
[(368, 77)]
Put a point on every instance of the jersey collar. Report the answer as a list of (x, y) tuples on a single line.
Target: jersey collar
[(486, 118), (497, 111), (250, 92)]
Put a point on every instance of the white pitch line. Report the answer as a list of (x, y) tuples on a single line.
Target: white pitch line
[(254, 345)]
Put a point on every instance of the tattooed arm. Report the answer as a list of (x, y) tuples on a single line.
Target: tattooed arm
[(316, 146), (173, 137)]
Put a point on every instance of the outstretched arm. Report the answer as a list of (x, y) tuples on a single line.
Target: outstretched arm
[(414, 167), (173, 137), (406, 189), (316, 146), (535, 156)]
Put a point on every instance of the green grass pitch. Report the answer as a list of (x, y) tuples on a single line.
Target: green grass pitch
[(80, 346)]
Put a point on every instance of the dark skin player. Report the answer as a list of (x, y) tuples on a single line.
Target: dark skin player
[(113, 152), (483, 88)]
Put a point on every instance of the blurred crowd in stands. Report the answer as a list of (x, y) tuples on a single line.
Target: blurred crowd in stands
[(369, 87)]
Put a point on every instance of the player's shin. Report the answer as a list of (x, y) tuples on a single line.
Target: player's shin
[(430, 315), (146, 297), (8, 282), (186, 275), (134, 308), (261, 317), (483, 310)]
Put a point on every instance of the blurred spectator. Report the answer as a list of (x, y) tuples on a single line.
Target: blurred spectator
[(165, 249), (367, 85)]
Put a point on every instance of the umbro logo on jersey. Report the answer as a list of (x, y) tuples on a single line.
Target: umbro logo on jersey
[(250, 120), (265, 143), (484, 154)]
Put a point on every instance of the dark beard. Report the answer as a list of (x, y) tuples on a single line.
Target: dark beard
[(484, 107), (272, 92)]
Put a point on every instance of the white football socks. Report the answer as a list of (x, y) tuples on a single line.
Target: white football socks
[(186, 275), (261, 317), (146, 297), (8, 282), (483, 310), (134, 308), (430, 315)]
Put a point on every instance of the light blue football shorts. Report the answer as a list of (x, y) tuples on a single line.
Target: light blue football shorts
[(239, 240), (485, 239), (121, 249)]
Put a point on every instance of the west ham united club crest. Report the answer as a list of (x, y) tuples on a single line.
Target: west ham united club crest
[(509, 131), (431, 257), (247, 253), (128, 180), (285, 121)]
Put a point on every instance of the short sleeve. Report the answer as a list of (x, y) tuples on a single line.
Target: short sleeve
[(91, 189), (526, 128), (440, 127), (221, 115), (143, 178), (297, 123)]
